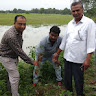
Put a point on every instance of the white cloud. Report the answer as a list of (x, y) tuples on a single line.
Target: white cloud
[(30, 4)]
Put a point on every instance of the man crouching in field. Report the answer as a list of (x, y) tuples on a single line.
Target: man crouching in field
[(45, 51), (11, 48)]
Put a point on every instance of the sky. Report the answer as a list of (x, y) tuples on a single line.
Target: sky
[(30, 4)]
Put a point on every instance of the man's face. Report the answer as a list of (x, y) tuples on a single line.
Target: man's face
[(20, 24), (53, 36), (77, 12)]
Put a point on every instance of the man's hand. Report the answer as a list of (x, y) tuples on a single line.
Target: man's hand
[(36, 63), (86, 64), (17, 60), (87, 61), (55, 59)]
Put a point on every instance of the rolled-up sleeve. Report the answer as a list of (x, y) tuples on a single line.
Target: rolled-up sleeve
[(63, 43), (91, 38)]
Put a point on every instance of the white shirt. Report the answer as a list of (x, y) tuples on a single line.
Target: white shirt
[(79, 40)]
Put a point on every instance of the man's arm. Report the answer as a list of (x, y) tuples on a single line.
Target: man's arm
[(13, 43), (39, 59), (90, 44), (56, 55), (87, 61)]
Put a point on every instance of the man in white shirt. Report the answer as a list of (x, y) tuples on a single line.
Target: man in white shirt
[(78, 44)]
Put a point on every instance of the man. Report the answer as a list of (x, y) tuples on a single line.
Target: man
[(45, 51), (11, 48), (78, 44)]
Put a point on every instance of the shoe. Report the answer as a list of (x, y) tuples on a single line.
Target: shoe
[(34, 85), (59, 83), (93, 82)]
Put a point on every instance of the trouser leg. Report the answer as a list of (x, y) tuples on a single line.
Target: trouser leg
[(8, 83), (10, 66), (95, 60), (57, 71), (78, 73), (68, 75), (36, 73)]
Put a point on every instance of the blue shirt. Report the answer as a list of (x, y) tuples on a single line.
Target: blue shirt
[(46, 48)]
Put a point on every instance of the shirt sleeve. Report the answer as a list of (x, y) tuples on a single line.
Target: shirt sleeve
[(63, 42), (40, 49), (91, 38), (13, 43)]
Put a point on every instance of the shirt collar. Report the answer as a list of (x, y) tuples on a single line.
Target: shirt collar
[(16, 31), (81, 21)]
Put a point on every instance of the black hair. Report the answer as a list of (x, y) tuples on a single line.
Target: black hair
[(55, 29), (15, 19), (76, 3)]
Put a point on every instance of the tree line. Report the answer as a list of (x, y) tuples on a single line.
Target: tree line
[(88, 11), (40, 11)]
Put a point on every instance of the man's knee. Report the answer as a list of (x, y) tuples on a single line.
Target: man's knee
[(13, 78)]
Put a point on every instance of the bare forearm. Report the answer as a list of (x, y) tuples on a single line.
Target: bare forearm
[(87, 61), (58, 51)]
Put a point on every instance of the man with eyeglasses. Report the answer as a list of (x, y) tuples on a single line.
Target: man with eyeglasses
[(78, 44)]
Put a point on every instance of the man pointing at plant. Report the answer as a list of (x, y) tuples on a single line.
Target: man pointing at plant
[(11, 48)]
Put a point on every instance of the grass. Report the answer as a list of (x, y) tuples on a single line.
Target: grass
[(36, 19)]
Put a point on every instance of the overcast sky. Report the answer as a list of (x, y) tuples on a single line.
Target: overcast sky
[(30, 4)]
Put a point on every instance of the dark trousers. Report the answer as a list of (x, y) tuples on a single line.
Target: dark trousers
[(77, 71)]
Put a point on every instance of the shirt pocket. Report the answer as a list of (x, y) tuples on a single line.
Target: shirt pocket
[(81, 35)]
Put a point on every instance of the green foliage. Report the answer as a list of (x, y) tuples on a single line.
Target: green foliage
[(32, 51), (65, 93), (47, 85), (36, 19), (3, 85), (41, 11), (91, 12)]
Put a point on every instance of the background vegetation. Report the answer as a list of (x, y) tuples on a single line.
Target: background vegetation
[(47, 85), (36, 19)]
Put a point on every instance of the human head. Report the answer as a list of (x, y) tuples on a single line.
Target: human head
[(77, 10), (54, 33), (20, 23)]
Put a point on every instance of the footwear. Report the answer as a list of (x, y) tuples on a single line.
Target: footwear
[(34, 85), (93, 82), (59, 83)]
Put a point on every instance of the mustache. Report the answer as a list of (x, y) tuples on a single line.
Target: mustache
[(52, 39)]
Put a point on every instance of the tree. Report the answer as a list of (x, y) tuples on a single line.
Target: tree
[(41, 10), (15, 10), (66, 11)]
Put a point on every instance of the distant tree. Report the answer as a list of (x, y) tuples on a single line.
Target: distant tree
[(88, 4), (27, 12), (66, 11), (15, 10), (41, 10)]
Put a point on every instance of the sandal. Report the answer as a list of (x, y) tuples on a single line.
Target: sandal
[(93, 82)]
